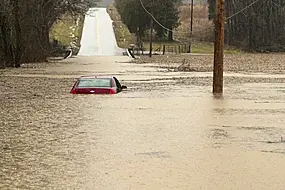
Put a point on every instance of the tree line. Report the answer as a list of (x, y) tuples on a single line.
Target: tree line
[(259, 27), (25, 26), (139, 21)]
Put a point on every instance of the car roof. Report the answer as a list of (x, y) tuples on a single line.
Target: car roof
[(96, 76)]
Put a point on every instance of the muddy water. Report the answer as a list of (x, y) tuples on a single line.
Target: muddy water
[(167, 131)]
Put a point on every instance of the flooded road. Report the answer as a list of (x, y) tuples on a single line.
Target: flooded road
[(167, 131)]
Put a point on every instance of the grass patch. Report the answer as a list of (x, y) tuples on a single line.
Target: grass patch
[(197, 47), (159, 44), (123, 36), (63, 29), (208, 48), (202, 48)]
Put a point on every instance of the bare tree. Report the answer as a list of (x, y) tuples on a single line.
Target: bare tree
[(25, 26)]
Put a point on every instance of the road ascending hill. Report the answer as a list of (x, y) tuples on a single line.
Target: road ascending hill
[(98, 36)]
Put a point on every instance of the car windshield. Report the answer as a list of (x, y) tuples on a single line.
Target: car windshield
[(94, 82)]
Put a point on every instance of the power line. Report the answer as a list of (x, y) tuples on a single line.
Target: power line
[(170, 30), (188, 32), (242, 10), (277, 5)]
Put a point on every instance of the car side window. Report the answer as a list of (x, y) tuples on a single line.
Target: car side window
[(118, 83)]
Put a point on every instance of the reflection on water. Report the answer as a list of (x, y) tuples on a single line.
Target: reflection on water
[(153, 136)]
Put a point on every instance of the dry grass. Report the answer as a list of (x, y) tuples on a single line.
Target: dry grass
[(203, 29), (200, 11)]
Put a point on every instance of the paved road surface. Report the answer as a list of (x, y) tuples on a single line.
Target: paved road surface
[(98, 36)]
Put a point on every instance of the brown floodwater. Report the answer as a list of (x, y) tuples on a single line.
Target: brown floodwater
[(167, 131)]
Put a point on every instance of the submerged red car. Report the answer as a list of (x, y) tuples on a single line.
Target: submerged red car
[(97, 85)]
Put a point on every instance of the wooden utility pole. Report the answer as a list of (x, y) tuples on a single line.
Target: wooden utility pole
[(17, 50), (150, 38), (151, 30), (219, 47), (191, 25)]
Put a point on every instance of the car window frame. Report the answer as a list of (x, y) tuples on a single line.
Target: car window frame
[(81, 79), (118, 84)]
